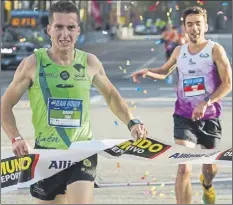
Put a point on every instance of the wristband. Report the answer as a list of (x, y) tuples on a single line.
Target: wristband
[(16, 138)]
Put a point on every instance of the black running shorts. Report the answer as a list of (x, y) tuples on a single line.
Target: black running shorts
[(204, 132), (49, 188)]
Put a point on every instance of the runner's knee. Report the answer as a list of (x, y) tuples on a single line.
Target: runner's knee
[(184, 169)]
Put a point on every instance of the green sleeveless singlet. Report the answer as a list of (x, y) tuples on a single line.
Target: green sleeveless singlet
[(60, 101)]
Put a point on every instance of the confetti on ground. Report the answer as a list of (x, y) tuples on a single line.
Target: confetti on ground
[(152, 49), (116, 123), (152, 189), (161, 195), (162, 185), (196, 194), (124, 71), (145, 91), (153, 193), (118, 165), (127, 62), (120, 68), (154, 179)]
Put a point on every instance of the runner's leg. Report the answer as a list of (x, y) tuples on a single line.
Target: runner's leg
[(183, 184), (80, 192)]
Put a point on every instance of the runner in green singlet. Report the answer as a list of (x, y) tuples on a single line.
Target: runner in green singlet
[(59, 81)]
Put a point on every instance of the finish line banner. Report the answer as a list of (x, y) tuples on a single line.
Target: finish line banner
[(43, 163)]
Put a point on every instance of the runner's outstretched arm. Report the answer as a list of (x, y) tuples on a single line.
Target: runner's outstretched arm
[(113, 98), (161, 72)]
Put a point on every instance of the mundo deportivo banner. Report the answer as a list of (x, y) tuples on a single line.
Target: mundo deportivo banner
[(40, 164)]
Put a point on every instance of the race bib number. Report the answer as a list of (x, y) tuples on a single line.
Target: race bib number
[(64, 112), (194, 86)]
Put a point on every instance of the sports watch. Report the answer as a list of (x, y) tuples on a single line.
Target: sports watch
[(133, 122), (207, 100)]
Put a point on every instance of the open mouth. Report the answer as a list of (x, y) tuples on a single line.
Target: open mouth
[(64, 41)]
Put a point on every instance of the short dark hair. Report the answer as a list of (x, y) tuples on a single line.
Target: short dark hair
[(194, 10), (63, 6)]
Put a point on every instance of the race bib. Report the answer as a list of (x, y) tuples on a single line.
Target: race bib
[(193, 86), (64, 112)]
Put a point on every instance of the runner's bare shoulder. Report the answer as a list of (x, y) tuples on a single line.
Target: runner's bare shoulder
[(27, 67), (176, 52)]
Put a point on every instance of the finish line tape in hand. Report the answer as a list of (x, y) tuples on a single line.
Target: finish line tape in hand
[(22, 172)]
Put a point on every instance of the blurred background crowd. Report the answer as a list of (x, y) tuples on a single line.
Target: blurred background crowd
[(23, 23)]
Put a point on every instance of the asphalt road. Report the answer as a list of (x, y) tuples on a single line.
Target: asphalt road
[(152, 102)]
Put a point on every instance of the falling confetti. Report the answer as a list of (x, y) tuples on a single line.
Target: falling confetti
[(154, 179), (116, 123), (104, 32), (219, 12), (157, 3), (170, 10), (124, 71), (146, 173), (225, 18), (152, 8), (152, 49), (120, 67), (225, 4), (177, 7), (168, 14), (141, 18), (158, 42), (138, 89), (145, 91), (127, 62), (22, 40), (130, 24)]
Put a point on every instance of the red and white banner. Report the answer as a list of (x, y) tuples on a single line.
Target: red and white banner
[(39, 164)]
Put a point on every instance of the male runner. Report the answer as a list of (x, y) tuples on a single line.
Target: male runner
[(59, 82), (204, 78)]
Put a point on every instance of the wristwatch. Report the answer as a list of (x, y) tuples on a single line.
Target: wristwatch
[(133, 122), (207, 100)]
